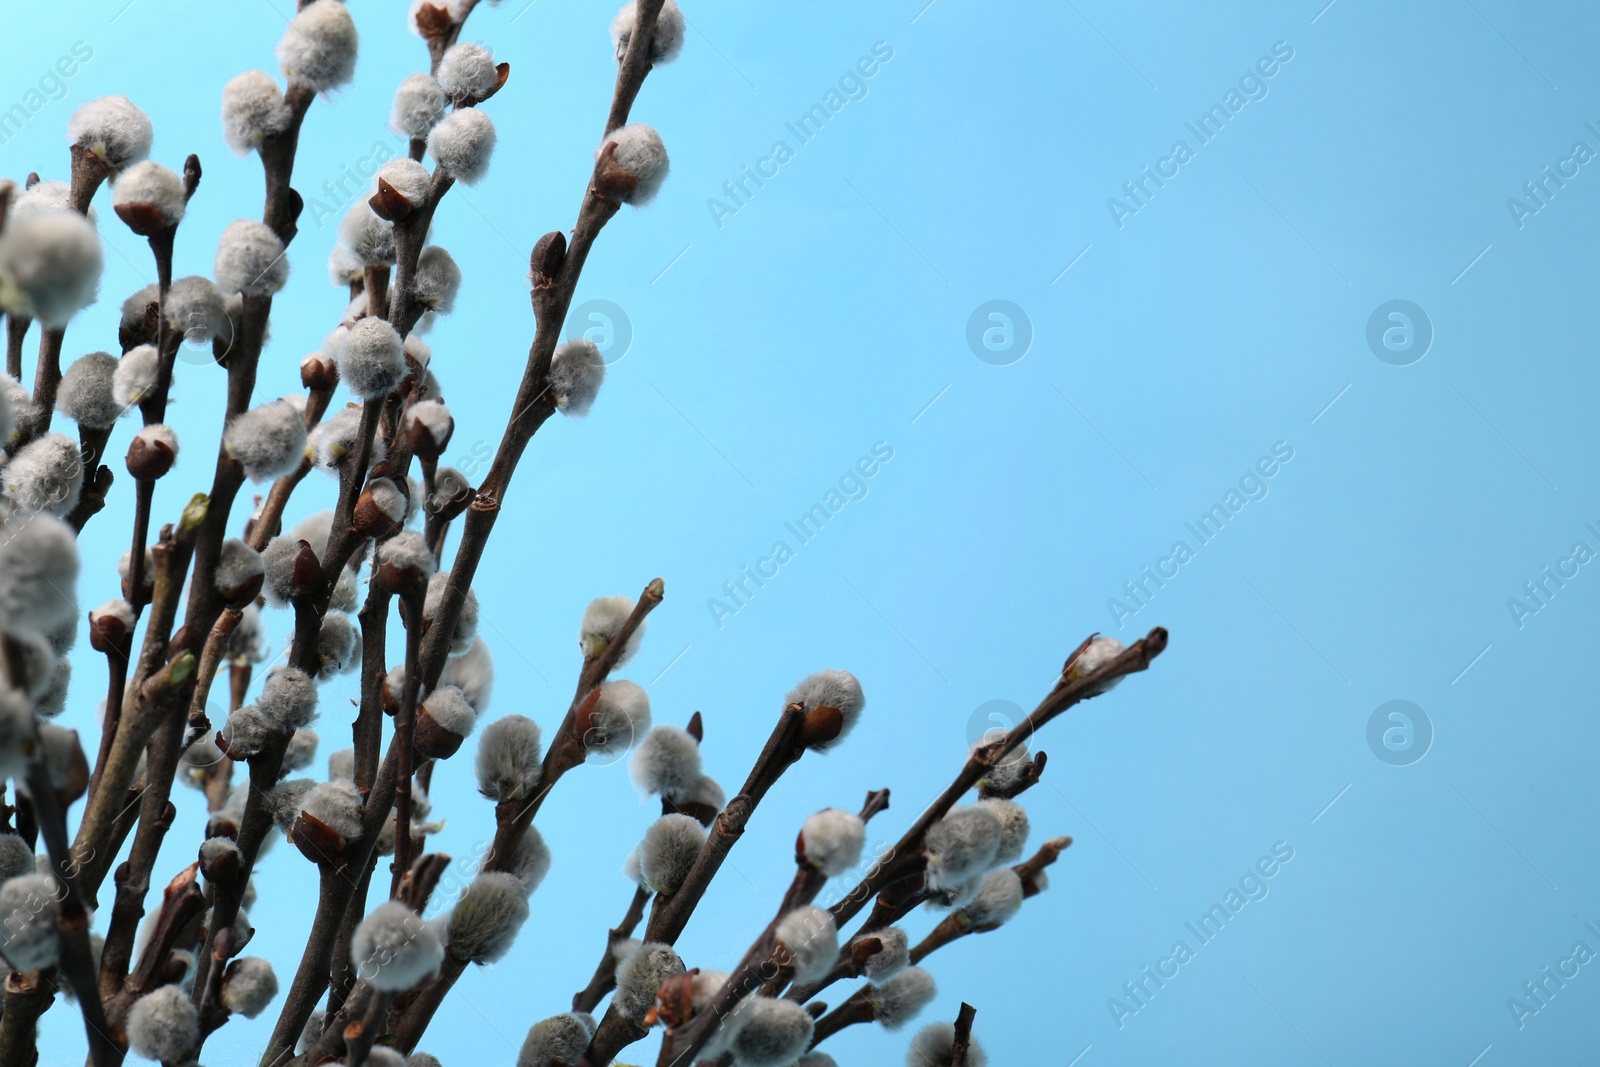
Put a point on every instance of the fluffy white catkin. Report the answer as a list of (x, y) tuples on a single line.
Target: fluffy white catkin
[(151, 185), (250, 258), (370, 360), (467, 72), (831, 840), (16, 858), (831, 689), (114, 129), (369, 238), (641, 975), (288, 698), (164, 1025), (602, 622), (337, 805), (891, 959), (85, 394), (418, 106), (640, 152), (1101, 650), (665, 43), (936, 1043), (1013, 828), (38, 559), (136, 375), (447, 707), (466, 623), (408, 177), (508, 756), (900, 999), (463, 143), (577, 370), (666, 763), (253, 109), (393, 949), (248, 986), (668, 850), (196, 309), (318, 49), (560, 1039), (812, 939), (29, 938), (268, 440), (620, 717), (961, 845), (998, 900), (530, 860), (772, 1033), (50, 266), (238, 567), (485, 921), (46, 476), (437, 280)]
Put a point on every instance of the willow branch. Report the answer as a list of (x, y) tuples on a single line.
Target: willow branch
[(1067, 692), (963, 1035), (533, 404)]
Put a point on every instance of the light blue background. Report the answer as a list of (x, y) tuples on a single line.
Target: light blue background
[(1227, 315)]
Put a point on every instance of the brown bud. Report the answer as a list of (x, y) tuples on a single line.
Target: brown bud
[(502, 72), (390, 697), (368, 517), (107, 633), (433, 21), (402, 581), (424, 445), (149, 458), (611, 180), (432, 741), (191, 176), (863, 949), (221, 825), (821, 725), (141, 331), (243, 594), (224, 867), (546, 260), (307, 577), (318, 373), (389, 203), (316, 840), (448, 504), (71, 778), (142, 219), (675, 1000)]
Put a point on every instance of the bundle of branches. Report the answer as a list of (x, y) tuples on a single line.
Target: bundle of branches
[(373, 973)]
